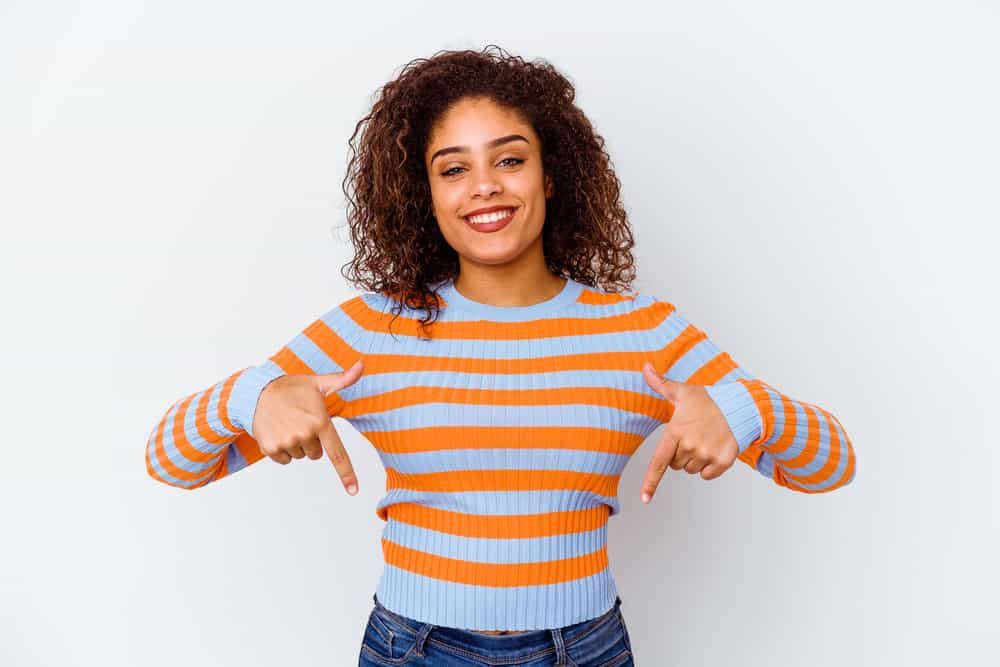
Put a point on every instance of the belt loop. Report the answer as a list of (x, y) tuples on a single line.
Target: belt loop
[(422, 637), (561, 657)]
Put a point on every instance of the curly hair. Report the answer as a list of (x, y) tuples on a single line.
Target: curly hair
[(399, 249)]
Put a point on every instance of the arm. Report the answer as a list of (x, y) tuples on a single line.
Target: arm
[(208, 435), (798, 445)]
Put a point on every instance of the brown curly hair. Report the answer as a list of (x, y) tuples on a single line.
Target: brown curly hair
[(400, 250)]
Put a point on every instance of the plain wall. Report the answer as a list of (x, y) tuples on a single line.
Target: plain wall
[(812, 184)]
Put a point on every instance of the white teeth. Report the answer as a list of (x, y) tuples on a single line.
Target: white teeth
[(489, 217)]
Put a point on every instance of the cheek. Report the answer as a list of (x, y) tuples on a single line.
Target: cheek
[(447, 201), (531, 189)]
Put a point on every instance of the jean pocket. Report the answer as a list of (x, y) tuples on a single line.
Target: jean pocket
[(386, 641), (601, 642)]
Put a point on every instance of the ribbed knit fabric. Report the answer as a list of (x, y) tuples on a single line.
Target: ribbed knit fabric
[(503, 438)]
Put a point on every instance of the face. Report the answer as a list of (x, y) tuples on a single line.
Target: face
[(475, 161)]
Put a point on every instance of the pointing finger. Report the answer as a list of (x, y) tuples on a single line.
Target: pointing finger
[(658, 464), (338, 456)]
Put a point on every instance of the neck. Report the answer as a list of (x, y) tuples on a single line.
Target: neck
[(507, 285)]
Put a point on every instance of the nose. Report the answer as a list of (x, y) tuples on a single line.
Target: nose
[(485, 185)]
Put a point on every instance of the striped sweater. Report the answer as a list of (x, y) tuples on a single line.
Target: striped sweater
[(504, 436)]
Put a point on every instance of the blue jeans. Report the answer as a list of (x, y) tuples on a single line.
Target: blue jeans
[(391, 639)]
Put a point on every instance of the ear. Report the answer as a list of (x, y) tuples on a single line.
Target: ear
[(549, 187)]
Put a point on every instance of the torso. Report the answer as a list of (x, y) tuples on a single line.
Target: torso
[(500, 632)]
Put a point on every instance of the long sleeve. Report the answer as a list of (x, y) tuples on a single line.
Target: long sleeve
[(798, 445), (208, 435)]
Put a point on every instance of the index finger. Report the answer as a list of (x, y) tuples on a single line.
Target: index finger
[(662, 457), (334, 448)]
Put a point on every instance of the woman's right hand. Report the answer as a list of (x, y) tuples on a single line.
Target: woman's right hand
[(291, 420)]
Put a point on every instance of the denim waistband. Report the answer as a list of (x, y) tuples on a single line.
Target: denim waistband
[(523, 643)]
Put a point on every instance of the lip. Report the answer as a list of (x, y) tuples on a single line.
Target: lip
[(494, 226), (488, 209)]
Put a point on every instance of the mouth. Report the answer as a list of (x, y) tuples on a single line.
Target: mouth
[(491, 222)]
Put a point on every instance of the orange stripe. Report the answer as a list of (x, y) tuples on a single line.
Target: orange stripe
[(751, 455), (248, 447), (504, 526), (849, 470), (825, 473), (763, 400), (227, 389), (811, 450), (161, 457), (643, 318), (602, 360), (202, 426), (177, 431), (598, 298), (791, 418), (494, 574)]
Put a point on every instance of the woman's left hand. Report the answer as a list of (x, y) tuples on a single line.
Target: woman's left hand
[(697, 438)]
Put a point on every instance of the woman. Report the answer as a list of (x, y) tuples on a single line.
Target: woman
[(502, 388)]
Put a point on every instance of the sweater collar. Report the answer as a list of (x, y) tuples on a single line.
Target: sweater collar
[(458, 303)]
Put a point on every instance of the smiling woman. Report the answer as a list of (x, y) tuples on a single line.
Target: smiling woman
[(487, 220)]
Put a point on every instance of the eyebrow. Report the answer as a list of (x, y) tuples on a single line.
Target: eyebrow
[(490, 144)]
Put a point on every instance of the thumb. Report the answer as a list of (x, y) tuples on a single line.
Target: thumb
[(327, 382), (663, 386)]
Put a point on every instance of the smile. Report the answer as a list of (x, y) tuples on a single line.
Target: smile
[(491, 222)]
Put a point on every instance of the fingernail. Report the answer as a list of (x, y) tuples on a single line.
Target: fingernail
[(352, 489), (645, 497)]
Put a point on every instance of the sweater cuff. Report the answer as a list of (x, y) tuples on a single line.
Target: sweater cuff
[(246, 391), (740, 410)]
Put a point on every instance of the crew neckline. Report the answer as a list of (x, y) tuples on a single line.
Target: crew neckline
[(454, 299)]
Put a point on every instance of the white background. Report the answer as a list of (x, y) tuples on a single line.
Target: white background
[(812, 184)]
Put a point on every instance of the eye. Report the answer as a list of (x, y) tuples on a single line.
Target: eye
[(516, 160)]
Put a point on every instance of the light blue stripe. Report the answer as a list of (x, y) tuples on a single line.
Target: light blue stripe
[(380, 303), (496, 550), (694, 359), (823, 447), (234, 460), (483, 607), (598, 380), (190, 431), (820, 460), (172, 454), (603, 463), (800, 436), (492, 503), (739, 410), (765, 464), (520, 416)]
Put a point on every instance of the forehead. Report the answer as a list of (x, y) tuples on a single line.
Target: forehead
[(473, 122)]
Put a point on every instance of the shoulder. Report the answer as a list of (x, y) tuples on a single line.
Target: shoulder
[(628, 300)]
